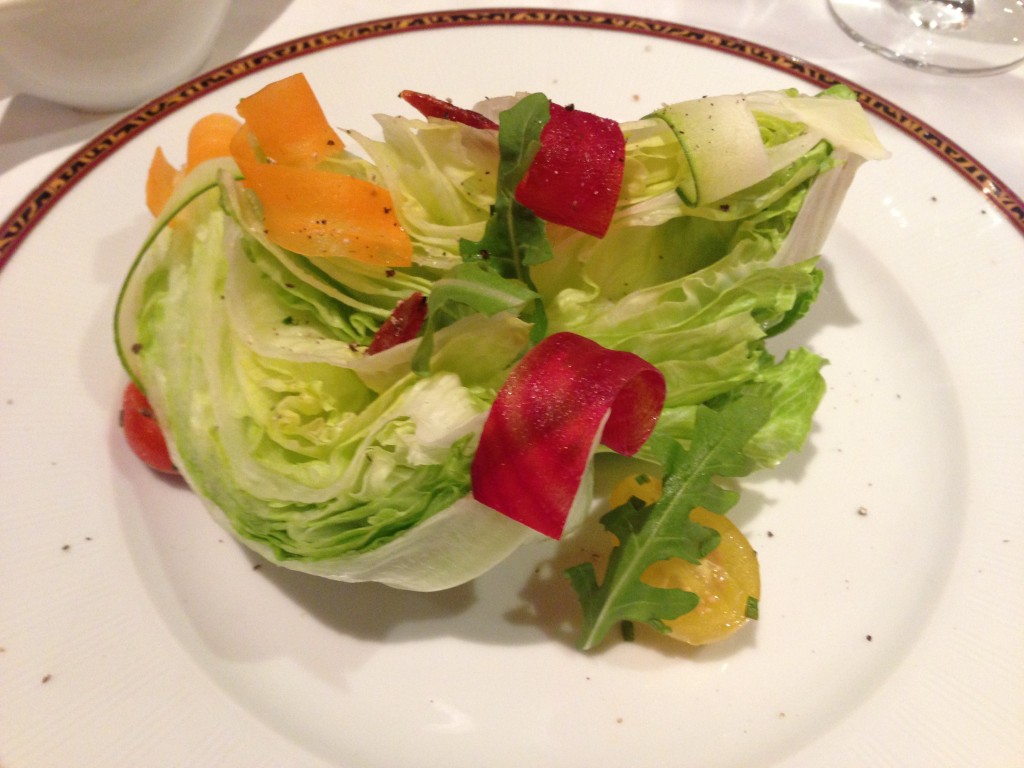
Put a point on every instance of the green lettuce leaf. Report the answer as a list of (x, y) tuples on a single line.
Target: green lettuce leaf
[(313, 454), (355, 466), (442, 177)]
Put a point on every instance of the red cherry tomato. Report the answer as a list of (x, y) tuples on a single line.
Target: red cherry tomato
[(142, 431)]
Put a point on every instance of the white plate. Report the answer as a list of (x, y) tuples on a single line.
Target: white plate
[(135, 632)]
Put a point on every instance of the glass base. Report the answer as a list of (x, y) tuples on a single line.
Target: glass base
[(965, 37)]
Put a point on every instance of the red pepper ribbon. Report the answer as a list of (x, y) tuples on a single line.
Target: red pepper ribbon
[(576, 175), (541, 430), (403, 324), (431, 106)]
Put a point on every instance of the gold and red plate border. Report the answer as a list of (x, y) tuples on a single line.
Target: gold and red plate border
[(28, 214)]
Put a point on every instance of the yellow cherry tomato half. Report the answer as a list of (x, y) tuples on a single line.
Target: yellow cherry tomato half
[(727, 581)]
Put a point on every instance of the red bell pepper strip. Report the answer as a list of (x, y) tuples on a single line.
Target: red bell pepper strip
[(576, 175), (403, 324), (542, 427), (431, 106)]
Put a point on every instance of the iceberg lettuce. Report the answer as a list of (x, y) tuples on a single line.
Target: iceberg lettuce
[(357, 467), (312, 453)]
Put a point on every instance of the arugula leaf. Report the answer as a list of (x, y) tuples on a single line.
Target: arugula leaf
[(649, 533), (495, 273), (752, 608), (515, 238), (474, 286), (477, 286)]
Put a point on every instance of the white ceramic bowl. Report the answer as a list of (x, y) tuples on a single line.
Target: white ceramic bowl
[(104, 55)]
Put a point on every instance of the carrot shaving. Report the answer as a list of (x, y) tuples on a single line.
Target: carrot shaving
[(289, 122), (243, 150), (210, 138), (323, 214), (307, 210), (160, 182)]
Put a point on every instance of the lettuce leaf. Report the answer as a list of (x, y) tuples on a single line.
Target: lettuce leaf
[(303, 449), (355, 466), (441, 176)]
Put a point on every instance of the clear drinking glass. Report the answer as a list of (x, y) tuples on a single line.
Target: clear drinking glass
[(948, 36)]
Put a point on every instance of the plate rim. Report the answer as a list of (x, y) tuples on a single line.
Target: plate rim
[(47, 193), (191, 99)]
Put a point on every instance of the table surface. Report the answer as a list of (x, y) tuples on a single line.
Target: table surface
[(983, 115)]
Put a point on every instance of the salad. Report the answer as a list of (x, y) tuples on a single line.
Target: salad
[(398, 358)]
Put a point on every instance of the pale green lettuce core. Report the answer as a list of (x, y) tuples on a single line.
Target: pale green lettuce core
[(356, 467), (442, 179), (697, 284), (307, 449)]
